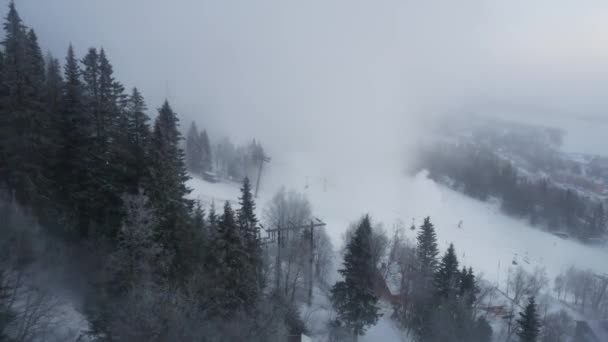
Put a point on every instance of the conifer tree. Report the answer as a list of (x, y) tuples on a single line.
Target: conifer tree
[(423, 290), (468, 287), (248, 223), (353, 297), (198, 218), (427, 250), (167, 190), (206, 151), (24, 127), (194, 151), (528, 323), (246, 214), (447, 278), (53, 88), (230, 292), (90, 76), (72, 169), (212, 218), (36, 70), (138, 135), (15, 58)]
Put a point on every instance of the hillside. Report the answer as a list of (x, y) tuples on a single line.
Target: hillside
[(523, 169)]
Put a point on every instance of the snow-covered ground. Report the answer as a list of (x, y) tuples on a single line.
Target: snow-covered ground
[(487, 240)]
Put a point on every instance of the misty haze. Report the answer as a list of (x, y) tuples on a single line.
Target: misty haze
[(266, 170)]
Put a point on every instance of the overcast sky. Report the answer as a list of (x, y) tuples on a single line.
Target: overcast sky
[(319, 74)]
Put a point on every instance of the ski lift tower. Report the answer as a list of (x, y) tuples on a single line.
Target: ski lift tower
[(263, 158)]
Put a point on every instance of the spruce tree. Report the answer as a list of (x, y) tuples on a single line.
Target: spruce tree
[(168, 187), (246, 214), (194, 152), (528, 324), (24, 125), (447, 278), (73, 157), (426, 250), (198, 218), (226, 264), (206, 150), (36, 67), (482, 331), (423, 302), (248, 223), (139, 136), (212, 218), (468, 287), (90, 76), (73, 161), (167, 190), (353, 297), (53, 88)]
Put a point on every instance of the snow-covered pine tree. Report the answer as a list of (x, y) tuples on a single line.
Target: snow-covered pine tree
[(353, 297)]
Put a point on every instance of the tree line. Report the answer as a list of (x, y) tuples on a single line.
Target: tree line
[(479, 173), (225, 159), (84, 165), (81, 157)]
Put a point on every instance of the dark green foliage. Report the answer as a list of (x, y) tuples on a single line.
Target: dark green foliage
[(167, 189), (212, 219), (230, 291), (24, 125), (482, 331), (78, 154), (422, 302), (353, 298), (73, 162), (441, 298), (246, 214), (36, 72), (138, 141), (447, 278), (248, 224), (479, 173), (528, 324), (53, 87), (198, 218), (468, 288), (426, 249)]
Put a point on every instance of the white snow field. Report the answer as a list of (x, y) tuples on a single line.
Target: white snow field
[(487, 240)]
